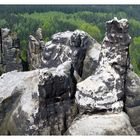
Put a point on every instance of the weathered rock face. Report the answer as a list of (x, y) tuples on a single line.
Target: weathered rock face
[(43, 101), (105, 89), (103, 93), (37, 102), (132, 103), (35, 50), (105, 124), (77, 47), (10, 55)]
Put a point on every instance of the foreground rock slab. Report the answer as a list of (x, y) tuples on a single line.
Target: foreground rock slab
[(97, 124)]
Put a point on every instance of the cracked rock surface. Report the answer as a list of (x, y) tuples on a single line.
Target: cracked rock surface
[(81, 88), (78, 47), (38, 102), (100, 97), (104, 90)]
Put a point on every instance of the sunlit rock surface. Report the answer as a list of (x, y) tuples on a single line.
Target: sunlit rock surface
[(105, 89), (102, 124), (83, 87), (78, 47), (38, 102), (101, 96)]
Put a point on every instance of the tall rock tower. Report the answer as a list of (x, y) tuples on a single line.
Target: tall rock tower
[(10, 51), (101, 96)]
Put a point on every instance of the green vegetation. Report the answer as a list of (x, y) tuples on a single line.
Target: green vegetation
[(24, 20)]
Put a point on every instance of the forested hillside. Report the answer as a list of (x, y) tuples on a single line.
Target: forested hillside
[(24, 20)]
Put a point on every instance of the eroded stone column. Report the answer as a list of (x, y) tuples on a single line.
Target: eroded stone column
[(105, 89), (10, 51), (35, 49)]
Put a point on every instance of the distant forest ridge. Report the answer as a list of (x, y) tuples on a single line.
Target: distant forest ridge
[(129, 9), (23, 20)]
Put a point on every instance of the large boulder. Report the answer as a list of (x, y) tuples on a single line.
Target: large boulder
[(78, 47), (38, 102), (104, 90), (101, 124)]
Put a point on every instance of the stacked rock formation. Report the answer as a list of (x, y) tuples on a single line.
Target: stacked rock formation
[(81, 91), (78, 47), (105, 90), (44, 100), (10, 52), (36, 45)]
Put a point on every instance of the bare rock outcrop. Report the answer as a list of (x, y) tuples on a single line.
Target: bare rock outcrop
[(38, 102), (101, 96), (36, 45), (105, 89), (78, 47), (80, 90), (10, 52), (44, 99)]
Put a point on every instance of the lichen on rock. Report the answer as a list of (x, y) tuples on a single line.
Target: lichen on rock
[(105, 89), (79, 87)]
